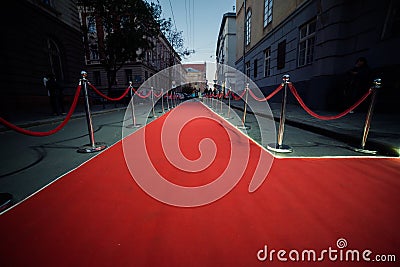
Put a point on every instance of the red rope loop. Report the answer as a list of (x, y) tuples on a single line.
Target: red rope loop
[(142, 96), (267, 97), (238, 97), (58, 128), (107, 97), (309, 111), (158, 95)]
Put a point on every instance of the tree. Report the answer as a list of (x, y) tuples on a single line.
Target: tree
[(175, 38), (130, 26)]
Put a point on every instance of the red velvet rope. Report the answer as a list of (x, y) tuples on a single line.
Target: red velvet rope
[(142, 96), (158, 95), (309, 111), (239, 96), (107, 97), (267, 97), (58, 128)]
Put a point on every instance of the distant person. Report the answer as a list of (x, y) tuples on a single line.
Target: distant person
[(358, 82), (55, 93)]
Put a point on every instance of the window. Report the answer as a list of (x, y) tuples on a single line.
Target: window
[(54, 53), (97, 77), (128, 75), (91, 24), (248, 27), (306, 43), (267, 12), (281, 55), (93, 48), (255, 68), (247, 68), (267, 62), (138, 78)]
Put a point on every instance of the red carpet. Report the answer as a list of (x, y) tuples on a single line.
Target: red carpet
[(98, 216)]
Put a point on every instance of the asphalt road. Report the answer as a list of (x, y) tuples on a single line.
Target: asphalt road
[(30, 163)]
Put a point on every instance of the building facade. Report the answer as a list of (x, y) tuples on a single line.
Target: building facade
[(196, 75), (38, 38), (154, 60), (226, 48), (316, 42)]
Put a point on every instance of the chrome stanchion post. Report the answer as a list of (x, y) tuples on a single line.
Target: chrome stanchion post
[(134, 124), (210, 99), (175, 99), (168, 100), (222, 98), (93, 146), (174, 94), (152, 103), (279, 147), (162, 101), (243, 126), (373, 89), (228, 115), (172, 98)]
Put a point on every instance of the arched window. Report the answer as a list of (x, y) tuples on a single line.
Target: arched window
[(55, 59)]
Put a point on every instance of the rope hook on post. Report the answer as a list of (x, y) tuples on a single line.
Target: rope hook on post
[(279, 147), (373, 89), (243, 126), (93, 146)]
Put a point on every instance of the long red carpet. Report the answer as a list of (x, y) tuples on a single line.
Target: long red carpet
[(97, 215)]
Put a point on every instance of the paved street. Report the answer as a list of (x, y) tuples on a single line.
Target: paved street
[(30, 163)]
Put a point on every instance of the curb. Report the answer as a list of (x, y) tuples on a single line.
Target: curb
[(351, 140)]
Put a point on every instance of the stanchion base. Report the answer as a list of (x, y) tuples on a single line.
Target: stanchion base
[(243, 127), (98, 146), (133, 126), (366, 151), (280, 148), (5, 201)]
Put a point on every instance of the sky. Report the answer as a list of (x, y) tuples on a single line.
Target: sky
[(199, 20)]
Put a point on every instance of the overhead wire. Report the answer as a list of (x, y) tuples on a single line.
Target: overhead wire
[(192, 31), (187, 22), (173, 16)]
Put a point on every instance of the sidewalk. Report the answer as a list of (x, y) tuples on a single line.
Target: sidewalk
[(37, 117), (384, 133)]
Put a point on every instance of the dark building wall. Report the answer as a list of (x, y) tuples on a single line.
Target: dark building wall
[(25, 60), (346, 30)]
